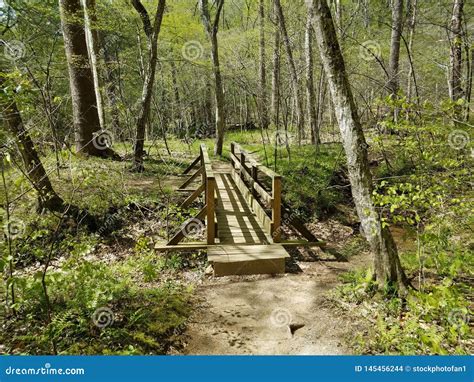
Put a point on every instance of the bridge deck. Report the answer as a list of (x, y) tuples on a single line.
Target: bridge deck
[(244, 247), (236, 222)]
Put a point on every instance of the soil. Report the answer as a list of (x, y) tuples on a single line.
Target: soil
[(293, 313)]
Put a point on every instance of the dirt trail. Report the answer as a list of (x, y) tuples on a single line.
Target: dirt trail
[(257, 314)]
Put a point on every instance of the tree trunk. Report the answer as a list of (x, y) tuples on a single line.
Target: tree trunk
[(456, 56), (310, 96), (411, 25), (84, 103), (387, 263), (152, 32), (394, 64), (275, 101), (293, 73), (211, 30), (262, 68), (34, 167), (93, 43)]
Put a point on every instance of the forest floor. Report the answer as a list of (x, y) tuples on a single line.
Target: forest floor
[(293, 313)]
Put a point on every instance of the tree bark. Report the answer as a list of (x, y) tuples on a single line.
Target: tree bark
[(293, 73), (411, 25), (152, 32), (262, 68), (275, 100), (84, 103), (34, 167), (211, 29), (93, 43), (394, 64), (310, 95), (456, 53), (387, 263)]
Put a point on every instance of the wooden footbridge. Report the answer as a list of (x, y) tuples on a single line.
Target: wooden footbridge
[(243, 215)]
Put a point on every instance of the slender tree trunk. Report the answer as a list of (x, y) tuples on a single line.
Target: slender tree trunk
[(412, 25), (93, 44), (211, 30), (387, 263), (293, 73), (275, 101), (469, 83), (456, 56), (34, 168), (84, 103), (394, 64), (152, 32), (310, 96), (262, 68)]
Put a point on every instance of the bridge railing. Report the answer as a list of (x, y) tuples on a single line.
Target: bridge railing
[(208, 186), (246, 171), (209, 181)]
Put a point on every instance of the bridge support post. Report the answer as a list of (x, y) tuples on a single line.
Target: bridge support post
[(276, 209), (211, 226)]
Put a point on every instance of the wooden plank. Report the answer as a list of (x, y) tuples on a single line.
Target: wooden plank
[(276, 209), (193, 196), (293, 220), (191, 166), (302, 243), (180, 234), (253, 267), (159, 247), (191, 178), (251, 251), (210, 204), (262, 216)]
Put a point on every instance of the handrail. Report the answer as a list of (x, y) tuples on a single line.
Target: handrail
[(249, 173), (209, 181)]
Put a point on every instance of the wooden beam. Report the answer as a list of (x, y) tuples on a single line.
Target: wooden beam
[(276, 209), (193, 196), (191, 178), (302, 243), (181, 233), (210, 206), (293, 220), (191, 166)]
